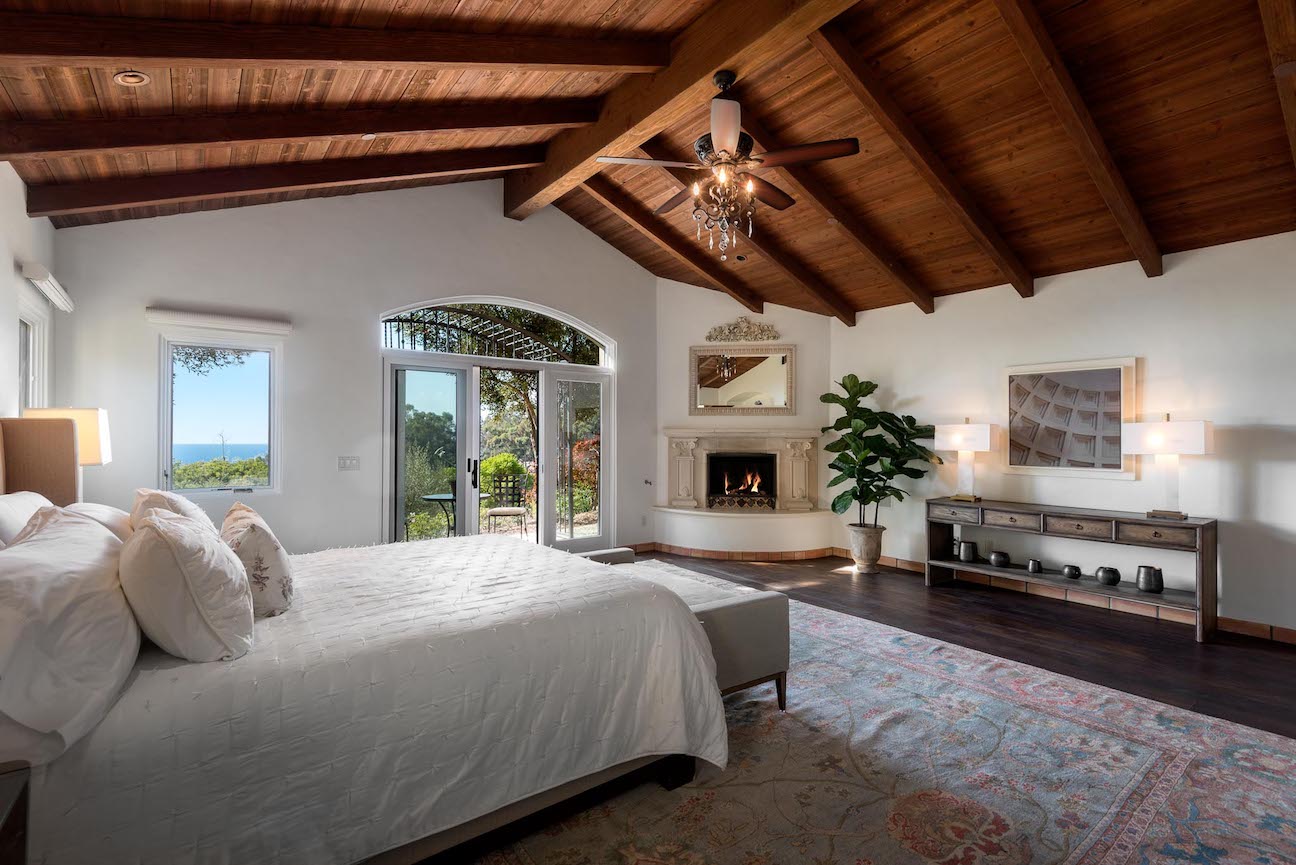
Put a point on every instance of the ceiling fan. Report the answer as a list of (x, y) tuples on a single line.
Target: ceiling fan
[(723, 199)]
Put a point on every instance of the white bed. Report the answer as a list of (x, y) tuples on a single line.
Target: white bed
[(410, 689)]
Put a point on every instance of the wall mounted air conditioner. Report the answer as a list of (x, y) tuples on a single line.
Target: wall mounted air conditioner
[(47, 285)]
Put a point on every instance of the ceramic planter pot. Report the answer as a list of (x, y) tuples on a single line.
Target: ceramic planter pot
[(866, 547)]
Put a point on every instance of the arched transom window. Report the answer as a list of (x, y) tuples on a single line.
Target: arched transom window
[(491, 330)]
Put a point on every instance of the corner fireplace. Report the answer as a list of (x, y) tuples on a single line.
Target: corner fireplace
[(741, 481)]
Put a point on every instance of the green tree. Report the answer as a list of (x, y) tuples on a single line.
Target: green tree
[(872, 449)]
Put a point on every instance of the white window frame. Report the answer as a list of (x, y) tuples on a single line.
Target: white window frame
[(249, 341), (34, 309)]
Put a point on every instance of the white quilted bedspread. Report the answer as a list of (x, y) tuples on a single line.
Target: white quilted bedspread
[(410, 688)]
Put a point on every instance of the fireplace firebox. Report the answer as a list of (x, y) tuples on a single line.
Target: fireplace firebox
[(741, 480)]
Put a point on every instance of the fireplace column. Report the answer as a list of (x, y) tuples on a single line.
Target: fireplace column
[(795, 495), (681, 472)]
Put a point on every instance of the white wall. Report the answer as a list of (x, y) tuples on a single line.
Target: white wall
[(22, 240), (684, 315), (1216, 340), (333, 266)]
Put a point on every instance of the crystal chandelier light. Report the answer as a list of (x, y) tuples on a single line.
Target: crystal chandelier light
[(728, 366), (723, 201)]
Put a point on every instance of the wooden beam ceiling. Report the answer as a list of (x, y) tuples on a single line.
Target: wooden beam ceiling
[(820, 293), (1050, 71), (867, 87), (46, 139), (742, 35), (1280, 32), (60, 199), (73, 40), (807, 188), (642, 220)]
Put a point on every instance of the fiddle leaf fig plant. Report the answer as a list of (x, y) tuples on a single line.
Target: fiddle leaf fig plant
[(873, 449)]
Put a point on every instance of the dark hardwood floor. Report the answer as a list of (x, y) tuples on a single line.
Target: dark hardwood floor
[(1238, 678)]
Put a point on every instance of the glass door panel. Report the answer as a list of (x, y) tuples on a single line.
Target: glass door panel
[(509, 437), (577, 463), (433, 474)]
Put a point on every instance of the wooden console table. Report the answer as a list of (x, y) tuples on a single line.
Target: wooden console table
[(1197, 536)]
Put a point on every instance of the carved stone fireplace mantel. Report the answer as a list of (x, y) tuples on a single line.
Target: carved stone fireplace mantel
[(794, 450)]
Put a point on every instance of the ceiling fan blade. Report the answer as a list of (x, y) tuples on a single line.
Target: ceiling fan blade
[(770, 194), (726, 124), (812, 152), (674, 201), (634, 160)]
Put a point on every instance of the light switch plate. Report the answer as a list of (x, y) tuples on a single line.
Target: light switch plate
[(348, 464)]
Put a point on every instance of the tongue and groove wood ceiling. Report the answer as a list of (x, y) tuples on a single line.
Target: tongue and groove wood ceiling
[(1000, 140)]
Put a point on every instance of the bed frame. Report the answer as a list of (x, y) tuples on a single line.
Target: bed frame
[(40, 455)]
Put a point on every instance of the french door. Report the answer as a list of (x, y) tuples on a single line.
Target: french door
[(501, 446)]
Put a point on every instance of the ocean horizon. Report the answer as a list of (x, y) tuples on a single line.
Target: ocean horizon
[(195, 453)]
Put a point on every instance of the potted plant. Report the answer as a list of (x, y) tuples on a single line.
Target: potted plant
[(873, 448)]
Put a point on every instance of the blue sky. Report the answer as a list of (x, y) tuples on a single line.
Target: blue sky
[(430, 391), (234, 400)]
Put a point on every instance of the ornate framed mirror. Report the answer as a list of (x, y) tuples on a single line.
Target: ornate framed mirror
[(742, 379)]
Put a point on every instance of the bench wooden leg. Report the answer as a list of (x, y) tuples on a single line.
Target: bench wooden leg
[(780, 685)]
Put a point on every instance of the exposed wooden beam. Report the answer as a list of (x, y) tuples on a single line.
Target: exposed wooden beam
[(62, 199), (1046, 64), (642, 220), (743, 35), (867, 87), (75, 40), (825, 296), (809, 189), (45, 139), (1280, 32)]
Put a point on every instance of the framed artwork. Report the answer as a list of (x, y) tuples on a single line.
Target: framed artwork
[(1064, 419)]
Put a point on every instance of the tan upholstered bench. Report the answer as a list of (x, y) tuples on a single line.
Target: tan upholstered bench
[(748, 628)]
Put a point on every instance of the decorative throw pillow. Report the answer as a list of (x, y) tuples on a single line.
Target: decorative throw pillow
[(15, 510), (113, 519), (187, 588), (269, 569), (146, 499), (68, 640)]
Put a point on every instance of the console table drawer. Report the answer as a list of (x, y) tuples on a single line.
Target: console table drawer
[(1157, 536), (954, 514), (1078, 527), (1011, 520)]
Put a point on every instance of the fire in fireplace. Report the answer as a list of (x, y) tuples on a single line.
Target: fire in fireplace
[(741, 480)]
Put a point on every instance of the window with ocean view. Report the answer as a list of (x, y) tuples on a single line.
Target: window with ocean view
[(220, 417)]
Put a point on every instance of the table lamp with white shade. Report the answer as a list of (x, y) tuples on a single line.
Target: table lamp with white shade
[(94, 446), (1167, 440), (968, 439)]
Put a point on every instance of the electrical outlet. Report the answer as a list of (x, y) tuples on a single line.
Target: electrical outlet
[(348, 464)]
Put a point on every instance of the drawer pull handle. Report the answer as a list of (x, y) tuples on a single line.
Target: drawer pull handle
[(1012, 519), (1079, 527), (1156, 534)]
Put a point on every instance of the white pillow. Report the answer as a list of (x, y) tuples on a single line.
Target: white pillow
[(68, 640), (15, 510), (269, 570), (146, 499), (113, 519), (187, 588)]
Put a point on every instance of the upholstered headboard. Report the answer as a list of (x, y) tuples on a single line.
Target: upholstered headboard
[(40, 455)]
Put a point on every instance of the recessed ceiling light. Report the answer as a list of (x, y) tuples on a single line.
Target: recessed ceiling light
[(368, 136), (741, 257), (132, 78)]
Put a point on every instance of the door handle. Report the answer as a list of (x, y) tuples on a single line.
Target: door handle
[(473, 466)]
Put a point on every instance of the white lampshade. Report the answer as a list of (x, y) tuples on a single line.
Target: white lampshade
[(964, 436), (93, 445), (1168, 437)]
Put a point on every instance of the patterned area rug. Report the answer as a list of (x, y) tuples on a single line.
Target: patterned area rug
[(898, 748)]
